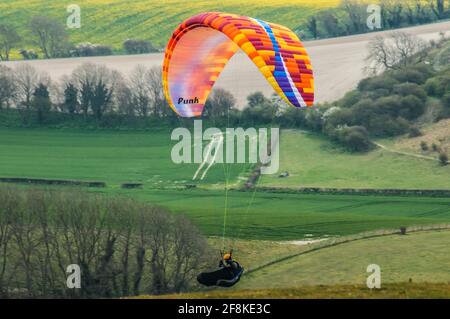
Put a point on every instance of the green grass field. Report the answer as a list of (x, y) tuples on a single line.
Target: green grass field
[(312, 160), (112, 157), (292, 216), (113, 21), (388, 291), (419, 257), (116, 157), (412, 266)]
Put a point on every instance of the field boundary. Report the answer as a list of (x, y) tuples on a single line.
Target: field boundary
[(45, 181), (348, 239), (355, 191)]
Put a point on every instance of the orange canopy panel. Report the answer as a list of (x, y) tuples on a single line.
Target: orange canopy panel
[(202, 45)]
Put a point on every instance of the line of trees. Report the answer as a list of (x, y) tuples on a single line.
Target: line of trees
[(351, 16), (50, 36), (122, 248), (91, 91)]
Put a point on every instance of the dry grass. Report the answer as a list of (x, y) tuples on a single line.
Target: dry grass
[(388, 291), (437, 133)]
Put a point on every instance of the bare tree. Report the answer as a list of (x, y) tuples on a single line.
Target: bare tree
[(398, 50), (28, 78), (159, 104), (124, 99), (50, 35), (96, 84), (219, 103), (140, 86), (8, 88), (8, 40)]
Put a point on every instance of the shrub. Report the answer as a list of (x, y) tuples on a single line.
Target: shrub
[(89, 49), (414, 131), (411, 107), (338, 118), (446, 100), (416, 74), (405, 89), (424, 146), (350, 98), (28, 54), (443, 158), (409, 75), (135, 46), (433, 87), (389, 105), (378, 82), (354, 138)]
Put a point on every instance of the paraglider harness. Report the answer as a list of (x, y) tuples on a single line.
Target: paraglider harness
[(228, 274)]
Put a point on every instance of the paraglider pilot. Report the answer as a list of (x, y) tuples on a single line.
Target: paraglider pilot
[(228, 274)]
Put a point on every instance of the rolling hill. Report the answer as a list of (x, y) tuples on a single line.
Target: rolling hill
[(314, 161), (412, 266), (117, 157), (112, 21)]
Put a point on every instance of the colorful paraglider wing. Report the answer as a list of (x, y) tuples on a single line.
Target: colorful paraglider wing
[(202, 45)]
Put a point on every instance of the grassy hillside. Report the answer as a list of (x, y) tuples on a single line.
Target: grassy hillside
[(113, 21), (116, 157), (421, 257), (436, 133), (293, 216), (312, 160), (390, 291), (113, 157)]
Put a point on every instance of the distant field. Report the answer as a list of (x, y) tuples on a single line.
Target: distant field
[(420, 257), (109, 156), (292, 216), (116, 157), (113, 21), (312, 160)]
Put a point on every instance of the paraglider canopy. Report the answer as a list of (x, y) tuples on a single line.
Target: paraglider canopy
[(202, 45)]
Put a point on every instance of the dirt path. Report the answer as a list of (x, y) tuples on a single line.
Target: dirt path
[(338, 64), (405, 153)]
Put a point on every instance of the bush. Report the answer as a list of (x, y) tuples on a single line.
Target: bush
[(433, 87), (411, 107), (354, 138), (339, 117), (446, 100), (350, 98), (417, 74), (378, 82), (424, 146), (408, 75), (435, 148), (28, 54), (405, 89), (414, 131), (134, 46), (89, 49), (443, 158)]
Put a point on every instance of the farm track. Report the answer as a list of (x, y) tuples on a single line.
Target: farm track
[(405, 153)]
